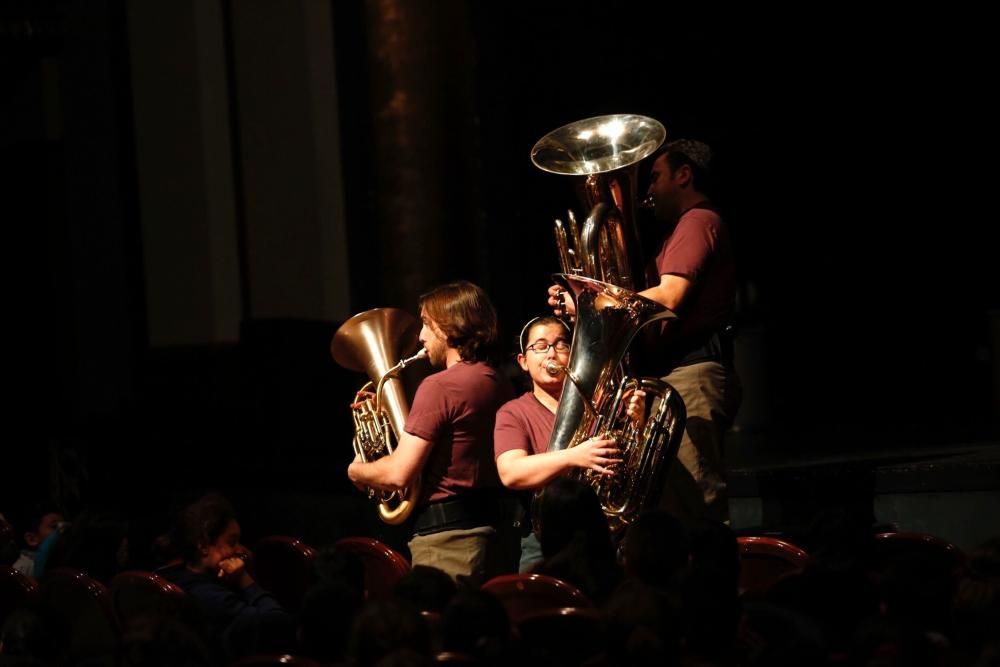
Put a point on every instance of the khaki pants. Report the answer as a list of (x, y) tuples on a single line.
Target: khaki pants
[(696, 489), (465, 554)]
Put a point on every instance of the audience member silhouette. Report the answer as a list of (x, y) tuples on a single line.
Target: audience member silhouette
[(656, 547), (96, 543), (475, 624), (331, 605), (643, 624), (149, 641), (244, 617), (427, 588), (38, 527), (385, 627), (575, 538), (709, 592), (34, 637)]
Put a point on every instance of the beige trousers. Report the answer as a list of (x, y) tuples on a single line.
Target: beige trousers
[(696, 489), (463, 554)]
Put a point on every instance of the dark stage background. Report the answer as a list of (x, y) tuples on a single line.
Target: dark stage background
[(201, 191)]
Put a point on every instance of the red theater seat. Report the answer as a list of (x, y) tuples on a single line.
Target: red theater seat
[(569, 635), (284, 566), (892, 545), (524, 594), (84, 605), (383, 566), (16, 591), (764, 560), (136, 593)]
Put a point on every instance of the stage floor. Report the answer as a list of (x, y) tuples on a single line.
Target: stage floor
[(949, 491)]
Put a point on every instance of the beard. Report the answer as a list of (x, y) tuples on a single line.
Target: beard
[(437, 353)]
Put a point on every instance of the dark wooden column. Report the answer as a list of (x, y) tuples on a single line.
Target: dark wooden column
[(424, 152)]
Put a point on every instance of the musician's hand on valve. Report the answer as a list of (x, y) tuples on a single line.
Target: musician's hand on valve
[(598, 453), (561, 302), (636, 407)]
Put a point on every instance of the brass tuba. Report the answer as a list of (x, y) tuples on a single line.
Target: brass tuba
[(601, 267), (595, 400), (367, 343)]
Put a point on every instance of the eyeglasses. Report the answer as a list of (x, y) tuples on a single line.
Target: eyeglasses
[(542, 346), (523, 338)]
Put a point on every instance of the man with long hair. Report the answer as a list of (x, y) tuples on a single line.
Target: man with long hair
[(447, 441)]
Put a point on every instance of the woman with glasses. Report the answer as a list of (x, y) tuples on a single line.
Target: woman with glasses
[(523, 425)]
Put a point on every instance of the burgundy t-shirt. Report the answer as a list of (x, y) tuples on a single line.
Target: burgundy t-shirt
[(700, 250), (455, 410), (524, 424)]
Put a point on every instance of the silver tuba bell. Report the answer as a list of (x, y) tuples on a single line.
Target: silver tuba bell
[(605, 151), (368, 342)]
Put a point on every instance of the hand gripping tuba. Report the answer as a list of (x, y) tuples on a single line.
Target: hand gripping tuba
[(367, 343), (595, 400)]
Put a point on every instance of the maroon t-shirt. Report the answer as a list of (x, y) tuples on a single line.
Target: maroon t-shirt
[(700, 249), (524, 424), (455, 410)]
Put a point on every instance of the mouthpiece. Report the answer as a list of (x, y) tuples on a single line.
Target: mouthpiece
[(554, 369), (421, 353)]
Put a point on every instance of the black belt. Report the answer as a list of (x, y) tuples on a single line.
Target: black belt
[(452, 514), (717, 347)]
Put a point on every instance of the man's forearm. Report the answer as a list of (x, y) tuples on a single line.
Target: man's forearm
[(378, 474), (398, 470), (531, 472)]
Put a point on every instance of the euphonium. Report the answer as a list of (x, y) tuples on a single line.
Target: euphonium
[(366, 343), (594, 401)]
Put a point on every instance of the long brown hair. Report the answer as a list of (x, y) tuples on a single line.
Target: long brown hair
[(466, 316)]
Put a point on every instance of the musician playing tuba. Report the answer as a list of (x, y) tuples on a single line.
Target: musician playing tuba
[(601, 271), (447, 440), (693, 353), (524, 425)]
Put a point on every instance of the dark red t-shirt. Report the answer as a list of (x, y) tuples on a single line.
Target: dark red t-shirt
[(700, 249), (455, 410), (524, 424)]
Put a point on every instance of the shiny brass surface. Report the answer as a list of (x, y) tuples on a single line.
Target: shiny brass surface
[(595, 398), (602, 265), (368, 343), (598, 145), (605, 151)]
